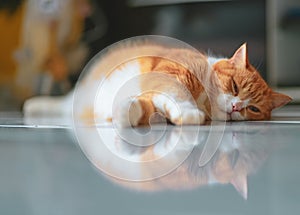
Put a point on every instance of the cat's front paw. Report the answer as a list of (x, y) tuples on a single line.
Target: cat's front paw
[(191, 116), (129, 113)]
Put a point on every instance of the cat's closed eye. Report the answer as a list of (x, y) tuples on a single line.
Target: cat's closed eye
[(235, 88), (253, 109)]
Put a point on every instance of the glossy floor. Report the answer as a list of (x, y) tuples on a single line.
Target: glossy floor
[(236, 168)]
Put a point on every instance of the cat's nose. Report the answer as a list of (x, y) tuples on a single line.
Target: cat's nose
[(237, 106)]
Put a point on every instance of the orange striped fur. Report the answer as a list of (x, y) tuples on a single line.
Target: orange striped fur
[(183, 85)]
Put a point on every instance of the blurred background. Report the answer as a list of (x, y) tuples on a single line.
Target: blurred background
[(46, 43)]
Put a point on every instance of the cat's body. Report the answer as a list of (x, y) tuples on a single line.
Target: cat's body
[(131, 82)]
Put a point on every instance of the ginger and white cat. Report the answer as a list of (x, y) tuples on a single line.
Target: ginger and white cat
[(134, 79)]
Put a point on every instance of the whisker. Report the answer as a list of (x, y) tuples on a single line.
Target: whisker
[(259, 64)]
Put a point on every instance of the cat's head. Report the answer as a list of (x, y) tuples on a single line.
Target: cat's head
[(244, 94)]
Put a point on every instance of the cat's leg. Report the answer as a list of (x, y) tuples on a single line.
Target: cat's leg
[(177, 111), (48, 106), (134, 111), (143, 110)]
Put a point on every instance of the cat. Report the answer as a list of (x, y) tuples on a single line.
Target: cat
[(135, 78)]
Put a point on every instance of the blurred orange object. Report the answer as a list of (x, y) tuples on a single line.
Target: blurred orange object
[(41, 37)]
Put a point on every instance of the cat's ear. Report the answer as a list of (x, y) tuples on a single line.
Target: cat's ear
[(240, 184), (279, 99), (240, 57)]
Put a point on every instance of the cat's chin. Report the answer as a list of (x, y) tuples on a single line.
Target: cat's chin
[(221, 115), (236, 116)]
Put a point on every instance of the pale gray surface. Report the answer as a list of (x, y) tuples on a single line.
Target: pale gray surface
[(43, 171)]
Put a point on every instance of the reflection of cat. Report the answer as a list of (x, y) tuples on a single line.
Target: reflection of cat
[(182, 84), (173, 161), (167, 158)]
